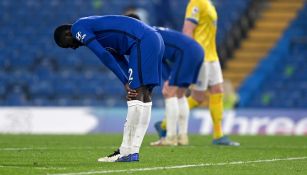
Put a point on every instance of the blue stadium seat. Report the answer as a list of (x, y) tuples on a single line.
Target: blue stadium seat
[(46, 75), (283, 72), (41, 89)]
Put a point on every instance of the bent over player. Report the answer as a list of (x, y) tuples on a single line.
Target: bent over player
[(105, 35), (182, 60), (181, 63)]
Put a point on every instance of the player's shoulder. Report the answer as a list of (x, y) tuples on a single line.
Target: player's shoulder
[(197, 6), (80, 22), (87, 19), (198, 2)]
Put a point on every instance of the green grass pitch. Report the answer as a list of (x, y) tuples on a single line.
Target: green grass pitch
[(77, 155)]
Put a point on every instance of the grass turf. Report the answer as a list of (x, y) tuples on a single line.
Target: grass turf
[(55, 154)]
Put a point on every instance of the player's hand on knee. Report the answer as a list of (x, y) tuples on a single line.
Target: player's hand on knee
[(165, 90), (169, 91), (131, 93)]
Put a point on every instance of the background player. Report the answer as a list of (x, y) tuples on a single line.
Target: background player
[(125, 36), (182, 60), (201, 24)]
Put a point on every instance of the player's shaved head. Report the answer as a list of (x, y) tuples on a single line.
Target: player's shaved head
[(64, 38), (61, 34)]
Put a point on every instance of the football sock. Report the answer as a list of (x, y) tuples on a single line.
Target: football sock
[(192, 102), (184, 112), (135, 112), (142, 126), (163, 123), (216, 111), (172, 114)]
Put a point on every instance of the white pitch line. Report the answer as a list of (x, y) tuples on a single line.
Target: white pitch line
[(40, 168), (115, 147), (183, 166), (16, 149), (50, 148)]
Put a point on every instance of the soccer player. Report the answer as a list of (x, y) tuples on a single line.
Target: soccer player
[(105, 35), (201, 24), (182, 60)]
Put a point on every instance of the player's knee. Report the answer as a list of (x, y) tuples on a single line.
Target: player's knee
[(144, 94), (168, 94), (181, 92), (217, 89), (198, 96)]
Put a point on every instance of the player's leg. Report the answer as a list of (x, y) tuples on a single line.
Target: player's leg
[(183, 120), (172, 115), (160, 126), (171, 112), (198, 89), (144, 73), (216, 106), (188, 73), (216, 109)]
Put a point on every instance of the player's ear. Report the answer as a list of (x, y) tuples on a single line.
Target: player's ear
[(60, 34)]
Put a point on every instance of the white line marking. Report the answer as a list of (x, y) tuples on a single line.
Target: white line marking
[(114, 147), (40, 168), (184, 166), (51, 148)]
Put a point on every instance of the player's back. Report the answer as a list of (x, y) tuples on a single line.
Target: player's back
[(117, 32), (177, 42)]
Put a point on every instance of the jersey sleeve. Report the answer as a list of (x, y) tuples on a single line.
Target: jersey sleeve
[(193, 12), (108, 60), (121, 59)]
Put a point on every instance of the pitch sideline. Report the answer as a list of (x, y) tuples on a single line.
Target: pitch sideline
[(184, 166)]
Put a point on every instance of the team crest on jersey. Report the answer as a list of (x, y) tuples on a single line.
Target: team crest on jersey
[(80, 36), (195, 11)]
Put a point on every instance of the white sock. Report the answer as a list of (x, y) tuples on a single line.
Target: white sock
[(142, 127), (184, 112), (172, 114), (135, 112)]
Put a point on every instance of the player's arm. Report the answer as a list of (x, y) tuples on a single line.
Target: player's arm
[(192, 17), (108, 60), (123, 63), (82, 32), (121, 59), (189, 28)]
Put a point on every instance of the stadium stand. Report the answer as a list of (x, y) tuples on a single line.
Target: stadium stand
[(35, 72), (279, 81), (274, 18)]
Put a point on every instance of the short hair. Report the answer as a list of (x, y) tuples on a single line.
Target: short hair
[(133, 15), (59, 35)]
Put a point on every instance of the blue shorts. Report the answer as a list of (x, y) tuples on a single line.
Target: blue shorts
[(145, 62), (184, 71)]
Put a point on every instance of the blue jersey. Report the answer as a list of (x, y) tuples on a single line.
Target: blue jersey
[(175, 41), (182, 58), (120, 33)]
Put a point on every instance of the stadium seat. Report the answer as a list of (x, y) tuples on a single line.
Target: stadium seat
[(47, 75), (282, 73)]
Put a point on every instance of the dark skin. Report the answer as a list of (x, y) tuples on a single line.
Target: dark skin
[(142, 93), (71, 42)]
